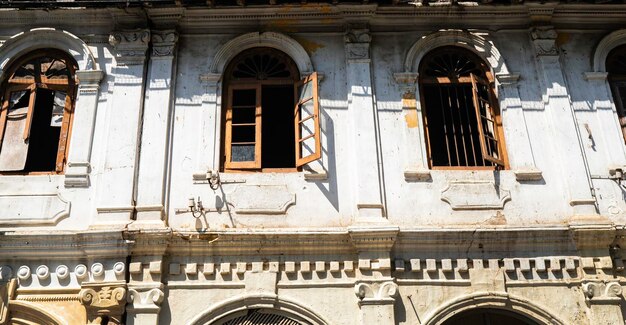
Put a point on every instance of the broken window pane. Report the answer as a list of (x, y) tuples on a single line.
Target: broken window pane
[(14, 149), (58, 109)]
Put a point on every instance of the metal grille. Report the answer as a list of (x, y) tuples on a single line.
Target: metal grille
[(256, 317), (462, 124)]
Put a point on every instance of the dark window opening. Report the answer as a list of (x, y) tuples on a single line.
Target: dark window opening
[(458, 129), (483, 316), (616, 67), (45, 131), (278, 133), (461, 118)]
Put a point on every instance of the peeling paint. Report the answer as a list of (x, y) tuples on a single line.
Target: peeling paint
[(411, 119)]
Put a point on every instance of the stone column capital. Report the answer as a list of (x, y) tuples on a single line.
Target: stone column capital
[(601, 292), (145, 298), (376, 293), (130, 46), (103, 299), (544, 39), (357, 40), (164, 43)]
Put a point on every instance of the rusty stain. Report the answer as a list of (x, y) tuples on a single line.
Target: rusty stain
[(309, 46), (562, 38), (411, 119)]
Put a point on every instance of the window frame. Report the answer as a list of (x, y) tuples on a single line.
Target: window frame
[(69, 86), (232, 83), (616, 81), (493, 101)]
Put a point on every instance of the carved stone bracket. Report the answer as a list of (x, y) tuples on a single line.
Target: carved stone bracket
[(130, 46), (358, 44), (544, 39), (145, 298), (602, 292), (164, 43), (104, 300), (376, 293)]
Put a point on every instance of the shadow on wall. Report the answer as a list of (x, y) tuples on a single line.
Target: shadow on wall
[(330, 191)]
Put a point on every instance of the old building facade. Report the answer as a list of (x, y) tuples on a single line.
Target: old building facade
[(294, 162)]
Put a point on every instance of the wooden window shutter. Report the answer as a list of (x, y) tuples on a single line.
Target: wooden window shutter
[(243, 127), (307, 121), (15, 121), (487, 121)]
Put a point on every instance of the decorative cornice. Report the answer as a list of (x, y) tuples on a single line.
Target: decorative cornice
[(130, 46), (373, 238), (31, 245)]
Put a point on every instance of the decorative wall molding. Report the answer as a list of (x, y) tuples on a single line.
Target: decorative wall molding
[(262, 199), (41, 38), (288, 307), (479, 43), (104, 299), (475, 195), (259, 39), (52, 275), (608, 43), (130, 46), (522, 269), (33, 210), (499, 300)]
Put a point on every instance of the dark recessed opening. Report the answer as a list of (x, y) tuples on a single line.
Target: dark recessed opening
[(277, 129), (44, 133)]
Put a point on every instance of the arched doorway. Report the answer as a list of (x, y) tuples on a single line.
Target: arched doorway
[(258, 317), (489, 316)]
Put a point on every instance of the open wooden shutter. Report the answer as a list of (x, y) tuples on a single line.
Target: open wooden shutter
[(15, 120), (243, 127), (307, 121), (61, 117), (486, 120)]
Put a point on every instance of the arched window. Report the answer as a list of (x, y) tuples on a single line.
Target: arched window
[(37, 112), (271, 121), (257, 317), (616, 67), (484, 316), (461, 117)]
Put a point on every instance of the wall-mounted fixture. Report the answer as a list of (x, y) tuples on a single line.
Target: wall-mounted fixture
[(195, 207), (213, 176)]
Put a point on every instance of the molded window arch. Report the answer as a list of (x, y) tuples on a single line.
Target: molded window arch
[(36, 112), (463, 126)]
